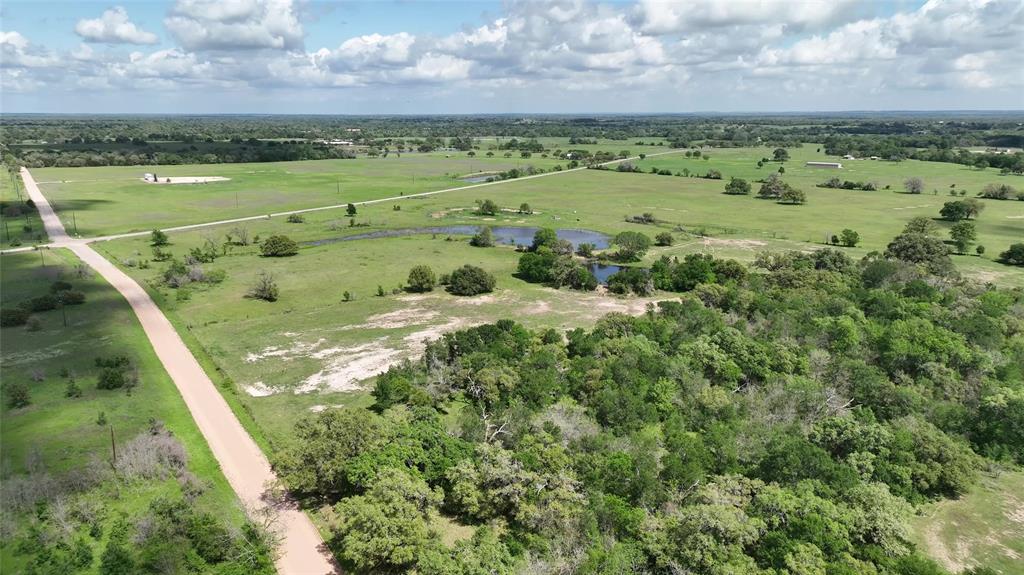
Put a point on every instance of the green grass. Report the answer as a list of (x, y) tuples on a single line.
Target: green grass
[(63, 432), (107, 200), (25, 229), (983, 528)]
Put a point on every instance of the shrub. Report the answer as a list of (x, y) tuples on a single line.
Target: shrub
[(264, 288), (737, 187), (524, 208), (17, 395), (158, 238), (295, 218), (72, 390), (1014, 255), (631, 279), (470, 280), (421, 279), (632, 245), (487, 208), (110, 378), (350, 210), (585, 250), (72, 297), (11, 317), (913, 185), (279, 246), (664, 239), (849, 238), (40, 303), (59, 286), (483, 239)]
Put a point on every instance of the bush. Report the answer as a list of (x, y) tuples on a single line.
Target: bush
[(279, 246), (59, 286), (737, 187), (470, 280), (664, 239), (487, 208), (632, 245), (585, 250), (295, 218), (17, 395), (483, 239), (158, 238), (264, 288), (633, 280), (421, 279), (12, 317), (110, 378), (1013, 256), (72, 297), (849, 238), (41, 303)]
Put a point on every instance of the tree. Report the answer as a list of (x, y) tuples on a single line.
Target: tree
[(632, 245), (544, 237), (792, 196), (780, 155), (913, 185), (963, 235), (849, 238), (422, 279), (980, 250), (389, 527), (524, 208), (954, 211), (350, 210), (772, 187), (664, 239), (279, 246), (483, 239), (737, 187), (921, 225), (158, 238), (921, 249), (1014, 255), (487, 208), (264, 287), (470, 280)]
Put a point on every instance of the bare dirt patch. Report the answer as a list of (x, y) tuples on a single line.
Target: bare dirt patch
[(743, 244), (397, 319), (187, 180)]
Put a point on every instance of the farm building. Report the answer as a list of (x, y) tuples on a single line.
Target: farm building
[(833, 165)]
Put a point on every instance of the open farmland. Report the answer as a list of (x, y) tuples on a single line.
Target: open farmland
[(19, 223)]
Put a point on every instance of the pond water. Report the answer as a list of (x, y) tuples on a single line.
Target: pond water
[(602, 271), (506, 235), (476, 179)]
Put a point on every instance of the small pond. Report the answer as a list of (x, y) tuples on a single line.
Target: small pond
[(602, 271), (507, 235), (476, 179)]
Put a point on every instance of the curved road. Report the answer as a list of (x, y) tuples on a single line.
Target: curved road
[(246, 468)]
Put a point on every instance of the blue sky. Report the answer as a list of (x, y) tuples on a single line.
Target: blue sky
[(408, 56)]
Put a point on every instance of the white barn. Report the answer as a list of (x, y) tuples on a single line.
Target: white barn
[(833, 165)]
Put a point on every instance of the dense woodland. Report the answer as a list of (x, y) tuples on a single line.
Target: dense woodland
[(44, 140), (781, 421)]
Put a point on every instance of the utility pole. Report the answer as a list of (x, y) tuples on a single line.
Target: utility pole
[(75, 222), (113, 446)]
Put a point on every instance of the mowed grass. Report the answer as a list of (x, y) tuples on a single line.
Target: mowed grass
[(107, 200), (983, 528), (278, 346), (24, 229)]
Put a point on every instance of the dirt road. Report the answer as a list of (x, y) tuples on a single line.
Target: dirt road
[(246, 468)]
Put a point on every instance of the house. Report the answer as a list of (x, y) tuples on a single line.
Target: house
[(833, 165)]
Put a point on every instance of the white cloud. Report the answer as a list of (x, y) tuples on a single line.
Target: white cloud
[(17, 52), (200, 25), (114, 27)]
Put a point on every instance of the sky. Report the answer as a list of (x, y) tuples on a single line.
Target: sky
[(512, 56)]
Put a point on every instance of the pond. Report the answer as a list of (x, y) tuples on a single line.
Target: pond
[(602, 271), (503, 235), (476, 179)]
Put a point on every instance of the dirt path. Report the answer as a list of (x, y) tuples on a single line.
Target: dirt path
[(244, 465)]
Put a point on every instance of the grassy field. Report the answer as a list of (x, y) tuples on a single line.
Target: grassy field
[(311, 340), (983, 528), (23, 229), (62, 433), (106, 200)]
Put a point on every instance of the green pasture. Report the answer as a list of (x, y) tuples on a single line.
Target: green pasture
[(310, 329), (107, 200), (26, 228), (983, 528), (62, 432)]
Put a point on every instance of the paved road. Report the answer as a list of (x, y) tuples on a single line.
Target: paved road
[(245, 466)]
